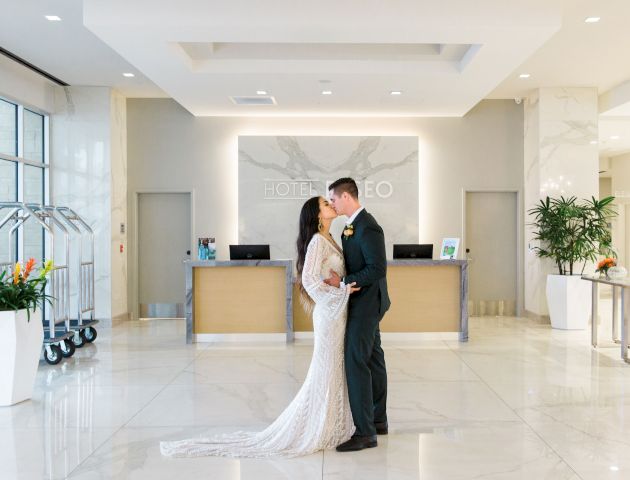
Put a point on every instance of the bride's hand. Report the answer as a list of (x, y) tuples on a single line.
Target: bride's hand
[(351, 287)]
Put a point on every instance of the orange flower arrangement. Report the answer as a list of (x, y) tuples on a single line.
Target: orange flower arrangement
[(19, 290), (605, 264)]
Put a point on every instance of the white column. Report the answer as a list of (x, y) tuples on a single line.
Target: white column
[(88, 163), (560, 160)]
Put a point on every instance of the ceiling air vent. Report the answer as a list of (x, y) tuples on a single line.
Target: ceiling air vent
[(258, 100)]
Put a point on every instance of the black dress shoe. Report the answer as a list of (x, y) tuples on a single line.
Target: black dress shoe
[(381, 428), (358, 442)]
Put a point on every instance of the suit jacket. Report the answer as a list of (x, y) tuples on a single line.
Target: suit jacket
[(366, 264)]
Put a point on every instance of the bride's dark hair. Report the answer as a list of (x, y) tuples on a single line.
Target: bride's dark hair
[(309, 226)]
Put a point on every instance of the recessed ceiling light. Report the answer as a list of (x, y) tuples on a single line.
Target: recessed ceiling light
[(128, 74), (53, 18), (592, 19), (615, 137), (593, 142), (524, 75), (326, 92), (395, 92), (614, 468), (261, 92)]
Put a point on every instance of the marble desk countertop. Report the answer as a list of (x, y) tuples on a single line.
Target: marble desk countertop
[(425, 262)]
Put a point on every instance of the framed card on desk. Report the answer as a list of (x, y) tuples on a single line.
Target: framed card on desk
[(450, 247)]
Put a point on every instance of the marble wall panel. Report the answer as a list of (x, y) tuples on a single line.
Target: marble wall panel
[(559, 160), (277, 174)]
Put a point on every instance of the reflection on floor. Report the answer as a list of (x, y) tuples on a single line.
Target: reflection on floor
[(520, 400)]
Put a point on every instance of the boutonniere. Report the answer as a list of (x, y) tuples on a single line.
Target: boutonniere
[(348, 231)]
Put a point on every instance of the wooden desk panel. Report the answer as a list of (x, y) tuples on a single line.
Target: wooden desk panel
[(424, 299), (239, 300)]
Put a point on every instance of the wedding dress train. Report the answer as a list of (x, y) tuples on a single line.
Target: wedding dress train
[(319, 416)]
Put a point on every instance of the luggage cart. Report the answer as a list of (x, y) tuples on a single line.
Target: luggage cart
[(58, 314), (57, 334), (85, 276)]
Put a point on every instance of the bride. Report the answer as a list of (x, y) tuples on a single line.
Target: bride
[(319, 416)]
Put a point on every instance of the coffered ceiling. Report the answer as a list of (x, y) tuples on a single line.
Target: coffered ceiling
[(441, 57)]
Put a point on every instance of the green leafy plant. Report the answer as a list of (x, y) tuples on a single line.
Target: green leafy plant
[(571, 232), (21, 290)]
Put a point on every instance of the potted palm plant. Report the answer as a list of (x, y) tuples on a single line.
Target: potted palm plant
[(571, 233), (21, 332)]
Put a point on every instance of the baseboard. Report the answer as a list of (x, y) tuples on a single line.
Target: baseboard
[(239, 337), (535, 316), (118, 319), (398, 336)]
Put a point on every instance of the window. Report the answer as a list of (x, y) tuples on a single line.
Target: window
[(23, 175)]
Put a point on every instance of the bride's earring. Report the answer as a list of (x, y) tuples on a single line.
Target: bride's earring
[(319, 225)]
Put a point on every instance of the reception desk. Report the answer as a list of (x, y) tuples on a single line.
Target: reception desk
[(239, 298), (428, 296)]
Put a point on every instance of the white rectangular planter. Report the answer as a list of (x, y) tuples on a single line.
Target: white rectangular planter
[(20, 349), (569, 301)]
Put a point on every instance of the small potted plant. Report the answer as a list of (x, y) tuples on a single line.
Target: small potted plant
[(604, 265), (21, 332), (571, 233)]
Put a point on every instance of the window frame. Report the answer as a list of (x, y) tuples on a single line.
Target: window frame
[(21, 162)]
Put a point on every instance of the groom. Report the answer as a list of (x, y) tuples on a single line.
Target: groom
[(364, 253)]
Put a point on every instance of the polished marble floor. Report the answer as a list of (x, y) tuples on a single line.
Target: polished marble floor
[(518, 401)]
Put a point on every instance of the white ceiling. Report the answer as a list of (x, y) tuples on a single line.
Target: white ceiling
[(66, 49), (579, 54), (445, 57), (609, 129)]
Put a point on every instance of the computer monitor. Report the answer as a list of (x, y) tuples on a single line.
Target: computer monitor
[(413, 251), (249, 252)]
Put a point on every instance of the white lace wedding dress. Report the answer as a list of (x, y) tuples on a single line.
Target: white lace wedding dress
[(319, 416)]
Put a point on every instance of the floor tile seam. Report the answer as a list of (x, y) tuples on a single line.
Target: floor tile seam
[(582, 431), (87, 457), (502, 400), (126, 423)]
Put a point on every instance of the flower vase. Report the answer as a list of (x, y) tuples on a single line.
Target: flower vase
[(20, 349)]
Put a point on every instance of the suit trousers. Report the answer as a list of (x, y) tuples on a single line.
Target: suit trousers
[(365, 373)]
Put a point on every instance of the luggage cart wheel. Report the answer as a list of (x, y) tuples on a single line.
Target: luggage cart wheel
[(89, 334), (67, 348), (78, 339), (52, 354)]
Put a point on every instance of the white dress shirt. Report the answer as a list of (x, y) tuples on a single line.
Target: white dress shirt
[(349, 222), (354, 215)]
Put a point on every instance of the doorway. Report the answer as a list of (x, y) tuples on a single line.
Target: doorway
[(491, 241), (164, 243)]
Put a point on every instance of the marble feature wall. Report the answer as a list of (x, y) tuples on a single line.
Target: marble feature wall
[(559, 160), (276, 174), (88, 152)]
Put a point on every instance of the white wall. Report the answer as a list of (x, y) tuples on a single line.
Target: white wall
[(170, 150), (24, 86), (88, 149), (620, 175), (88, 167)]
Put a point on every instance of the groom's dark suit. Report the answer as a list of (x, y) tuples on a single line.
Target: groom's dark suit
[(366, 264)]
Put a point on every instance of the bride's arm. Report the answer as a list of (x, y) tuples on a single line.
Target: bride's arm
[(333, 298)]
